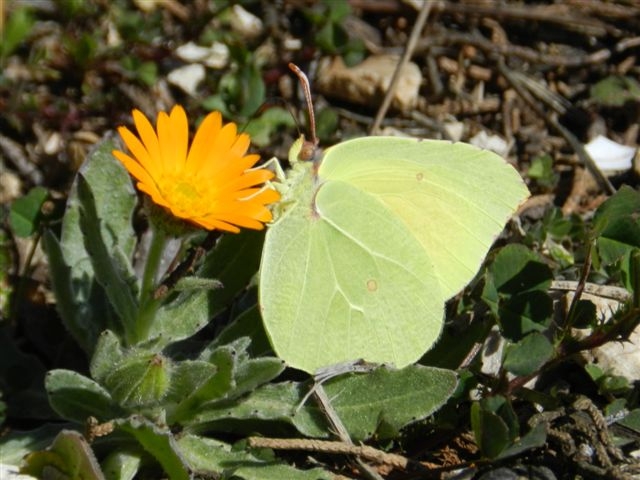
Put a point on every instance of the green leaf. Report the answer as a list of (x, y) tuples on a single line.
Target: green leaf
[(339, 10), (534, 438), (19, 25), (618, 218), (247, 324), (111, 267), (142, 379), (632, 420), (181, 318), (613, 385), (212, 456), (69, 309), (559, 253), (115, 200), (617, 230), (188, 377), (76, 397), (233, 262), (250, 374), (594, 371), (502, 407), (262, 128), (16, 444), (253, 89), (398, 397), (519, 315), (160, 443), (362, 401), (148, 73), (395, 397), (491, 432), (615, 91), (121, 465), (517, 269), (107, 354), (69, 457), (496, 428), (26, 212), (528, 355), (585, 315), (271, 402), (542, 170), (327, 123), (453, 347), (213, 388), (86, 311), (515, 289)]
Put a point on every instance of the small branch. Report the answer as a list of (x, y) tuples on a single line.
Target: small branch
[(566, 16), (569, 137), (406, 55), (603, 291), (586, 268), (492, 49), (365, 452), (339, 428)]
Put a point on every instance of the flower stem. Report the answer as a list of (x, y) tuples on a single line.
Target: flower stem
[(148, 304)]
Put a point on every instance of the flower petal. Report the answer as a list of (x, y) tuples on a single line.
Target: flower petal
[(180, 136), (139, 152), (207, 130), (148, 137), (212, 183), (249, 179), (133, 167)]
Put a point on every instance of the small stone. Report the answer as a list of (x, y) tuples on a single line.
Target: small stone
[(10, 187), (246, 23), (611, 157), (187, 78), (495, 143), (215, 56), (368, 82)]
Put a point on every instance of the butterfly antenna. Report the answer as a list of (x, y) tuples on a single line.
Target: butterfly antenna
[(309, 148)]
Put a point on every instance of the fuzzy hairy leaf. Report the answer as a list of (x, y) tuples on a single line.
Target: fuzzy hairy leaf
[(158, 442), (140, 380), (218, 458), (389, 398), (83, 304), (76, 397), (69, 457)]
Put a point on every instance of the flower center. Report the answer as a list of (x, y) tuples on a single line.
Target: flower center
[(182, 194)]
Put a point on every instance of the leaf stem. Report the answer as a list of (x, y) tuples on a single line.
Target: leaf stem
[(148, 304)]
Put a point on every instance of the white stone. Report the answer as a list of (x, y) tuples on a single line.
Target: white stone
[(610, 156), (495, 143), (215, 56), (368, 82), (188, 77), (245, 23)]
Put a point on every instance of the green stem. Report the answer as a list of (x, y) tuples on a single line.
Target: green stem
[(148, 304)]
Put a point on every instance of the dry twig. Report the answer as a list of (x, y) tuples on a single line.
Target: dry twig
[(408, 51), (333, 447)]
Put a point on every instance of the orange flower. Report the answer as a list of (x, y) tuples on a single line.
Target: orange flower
[(210, 183)]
